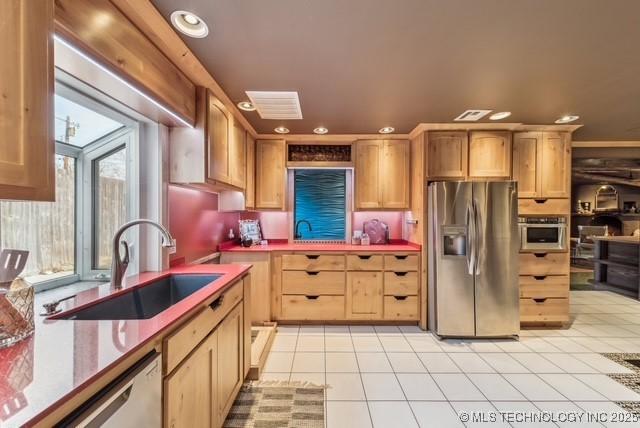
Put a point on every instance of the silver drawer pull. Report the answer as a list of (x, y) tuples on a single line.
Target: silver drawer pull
[(217, 303)]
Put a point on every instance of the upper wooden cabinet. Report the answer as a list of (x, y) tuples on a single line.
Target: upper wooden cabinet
[(270, 178), (250, 184), (237, 156), (382, 170), (212, 154), (555, 157), (490, 154), (447, 154), (542, 164), (368, 192), (27, 148)]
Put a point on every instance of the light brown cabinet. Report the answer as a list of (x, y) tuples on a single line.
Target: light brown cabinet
[(489, 154), (230, 360), (27, 148), (250, 184), (270, 178), (238, 156), (206, 359), (364, 295), (322, 287), (542, 164), (447, 154), (382, 169), (555, 157), (212, 155), (191, 398)]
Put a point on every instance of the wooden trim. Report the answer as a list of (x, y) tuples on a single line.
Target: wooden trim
[(484, 126), (334, 138), (605, 144), (151, 22), (294, 164)]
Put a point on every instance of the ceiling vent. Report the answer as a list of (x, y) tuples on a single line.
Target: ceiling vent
[(276, 105), (472, 115)]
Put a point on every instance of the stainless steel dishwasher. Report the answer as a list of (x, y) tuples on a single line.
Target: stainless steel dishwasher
[(132, 400)]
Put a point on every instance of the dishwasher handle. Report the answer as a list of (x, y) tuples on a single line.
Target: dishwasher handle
[(109, 407)]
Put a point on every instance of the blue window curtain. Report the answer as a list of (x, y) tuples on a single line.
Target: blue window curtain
[(320, 199)]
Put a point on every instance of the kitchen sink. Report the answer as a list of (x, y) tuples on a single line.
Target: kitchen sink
[(143, 302)]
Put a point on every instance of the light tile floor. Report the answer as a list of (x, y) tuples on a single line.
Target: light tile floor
[(387, 376)]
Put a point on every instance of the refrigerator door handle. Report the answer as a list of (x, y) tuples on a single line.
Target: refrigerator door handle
[(470, 245), (477, 239)]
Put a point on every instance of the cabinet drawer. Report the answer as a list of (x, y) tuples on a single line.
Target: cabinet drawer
[(544, 263), (312, 262), (313, 307), (182, 341), (364, 262), (312, 283), (401, 308), (543, 207), (544, 310), (401, 262), (401, 283), (555, 286)]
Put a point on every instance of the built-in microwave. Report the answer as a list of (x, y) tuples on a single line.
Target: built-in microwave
[(543, 233)]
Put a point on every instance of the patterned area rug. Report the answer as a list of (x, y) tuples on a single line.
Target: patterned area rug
[(630, 380), (277, 405)]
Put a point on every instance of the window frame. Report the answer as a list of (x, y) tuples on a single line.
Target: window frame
[(127, 136), (348, 203)]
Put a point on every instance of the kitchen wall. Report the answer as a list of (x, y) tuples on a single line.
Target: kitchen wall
[(587, 193), (275, 224), (196, 223)]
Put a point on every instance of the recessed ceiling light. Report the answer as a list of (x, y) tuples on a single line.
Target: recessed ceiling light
[(246, 106), (387, 130), (567, 118), (500, 115), (189, 24), (320, 130), (282, 130)]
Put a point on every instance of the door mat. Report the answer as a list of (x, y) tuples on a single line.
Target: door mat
[(278, 405), (630, 380)]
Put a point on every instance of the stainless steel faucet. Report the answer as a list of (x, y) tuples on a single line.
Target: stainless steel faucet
[(297, 234), (119, 265)]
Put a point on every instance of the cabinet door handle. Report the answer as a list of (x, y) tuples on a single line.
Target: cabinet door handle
[(540, 201), (364, 257), (540, 300), (312, 257), (540, 255), (401, 273), (401, 257), (400, 297), (312, 273), (217, 303), (312, 297), (539, 277)]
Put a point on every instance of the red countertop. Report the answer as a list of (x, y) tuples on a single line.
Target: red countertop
[(63, 356), (398, 247)]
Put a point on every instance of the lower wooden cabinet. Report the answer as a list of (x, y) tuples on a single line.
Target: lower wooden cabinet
[(544, 310), (368, 287), (200, 390), (190, 391), (230, 361), (364, 295)]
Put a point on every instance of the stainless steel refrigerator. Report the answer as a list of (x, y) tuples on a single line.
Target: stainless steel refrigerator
[(473, 259)]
